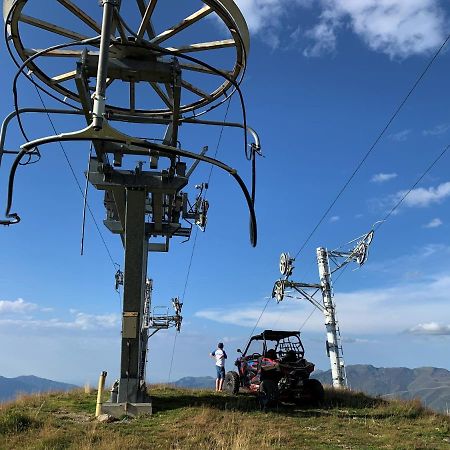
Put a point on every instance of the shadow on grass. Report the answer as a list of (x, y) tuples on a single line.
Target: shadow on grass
[(168, 398)]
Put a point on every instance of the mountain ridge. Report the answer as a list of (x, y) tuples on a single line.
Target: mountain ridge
[(28, 384)]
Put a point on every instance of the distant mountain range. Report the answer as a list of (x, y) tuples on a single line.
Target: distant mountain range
[(196, 382), (429, 384), (11, 387)]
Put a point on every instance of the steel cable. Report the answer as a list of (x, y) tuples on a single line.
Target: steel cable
[(195, 238), (372, 147)]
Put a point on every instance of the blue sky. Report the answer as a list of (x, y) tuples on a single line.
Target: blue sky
[(323, 78)]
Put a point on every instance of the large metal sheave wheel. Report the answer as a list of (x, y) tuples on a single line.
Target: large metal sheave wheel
[(213, 31)]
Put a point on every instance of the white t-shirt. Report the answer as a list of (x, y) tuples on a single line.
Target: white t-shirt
[(220, 356)]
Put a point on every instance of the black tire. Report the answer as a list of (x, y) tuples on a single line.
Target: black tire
[(231, 382), (268, 394), (313, 391)]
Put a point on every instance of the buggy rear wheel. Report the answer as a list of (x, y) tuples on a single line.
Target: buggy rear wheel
[(313, 391), (268, 394), (231, 383)]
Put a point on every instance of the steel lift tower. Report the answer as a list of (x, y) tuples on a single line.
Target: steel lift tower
[(358, 252), (136, 64)]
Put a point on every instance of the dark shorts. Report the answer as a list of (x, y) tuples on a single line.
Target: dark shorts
[(220, 372)]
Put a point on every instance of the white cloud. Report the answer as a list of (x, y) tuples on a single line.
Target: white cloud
[(430, 328), (434, 249), (323, 35), (437, 130), (422, 197), (85, 321), (353, 340), (16, 306), (400, 136), (81, 321), (266, 17), (334, 219), (397, 28), (361, 312), (434, 223), (382, 177)]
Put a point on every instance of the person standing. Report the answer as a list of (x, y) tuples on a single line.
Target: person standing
[(220, 356)]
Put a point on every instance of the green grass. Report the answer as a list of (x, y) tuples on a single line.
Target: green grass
[(202, 419)]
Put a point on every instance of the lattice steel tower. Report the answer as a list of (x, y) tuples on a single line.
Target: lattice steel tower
[(115, 62)]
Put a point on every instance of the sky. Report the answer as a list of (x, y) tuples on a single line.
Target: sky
[(323, 78)]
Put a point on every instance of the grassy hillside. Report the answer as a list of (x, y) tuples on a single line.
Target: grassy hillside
[(189, 419)]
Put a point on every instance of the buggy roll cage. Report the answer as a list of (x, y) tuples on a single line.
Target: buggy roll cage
[(283, 345)]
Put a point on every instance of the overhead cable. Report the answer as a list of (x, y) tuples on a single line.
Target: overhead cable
[(196, 235), (400, 201), (372, 147), (66, 157)]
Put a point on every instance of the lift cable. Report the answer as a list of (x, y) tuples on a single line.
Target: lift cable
[(314, 308), (386, 217), (424, 173), (372, 147), (393, 209), (218, 142), (115, 265), (380, 135), (196, 235), (259, 318), (182, 297)]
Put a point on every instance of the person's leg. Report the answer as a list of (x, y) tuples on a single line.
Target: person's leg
[(222, 377), (218, 372)]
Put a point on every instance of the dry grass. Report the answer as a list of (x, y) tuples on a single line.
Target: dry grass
[(201, 419)]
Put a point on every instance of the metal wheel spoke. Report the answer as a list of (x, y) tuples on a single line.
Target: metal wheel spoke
[(161, 94), (146, 18), (204, 88), (203, 12), (149, 29), (197, 68), (52, 28), (194, 89), (132, 96), (213, 45), (121, 29), (57, 53), (169, 91), (81, 15), (64, 76)]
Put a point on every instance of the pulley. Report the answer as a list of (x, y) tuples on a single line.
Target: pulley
[(177, 319), (286, 266), (369, 237), (278, 291), (361, 253), (201, 207), (118, 279)]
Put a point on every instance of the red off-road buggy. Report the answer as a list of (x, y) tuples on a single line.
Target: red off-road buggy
[(273, 367)]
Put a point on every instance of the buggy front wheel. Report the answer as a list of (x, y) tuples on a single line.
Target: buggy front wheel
[(231, 383)]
